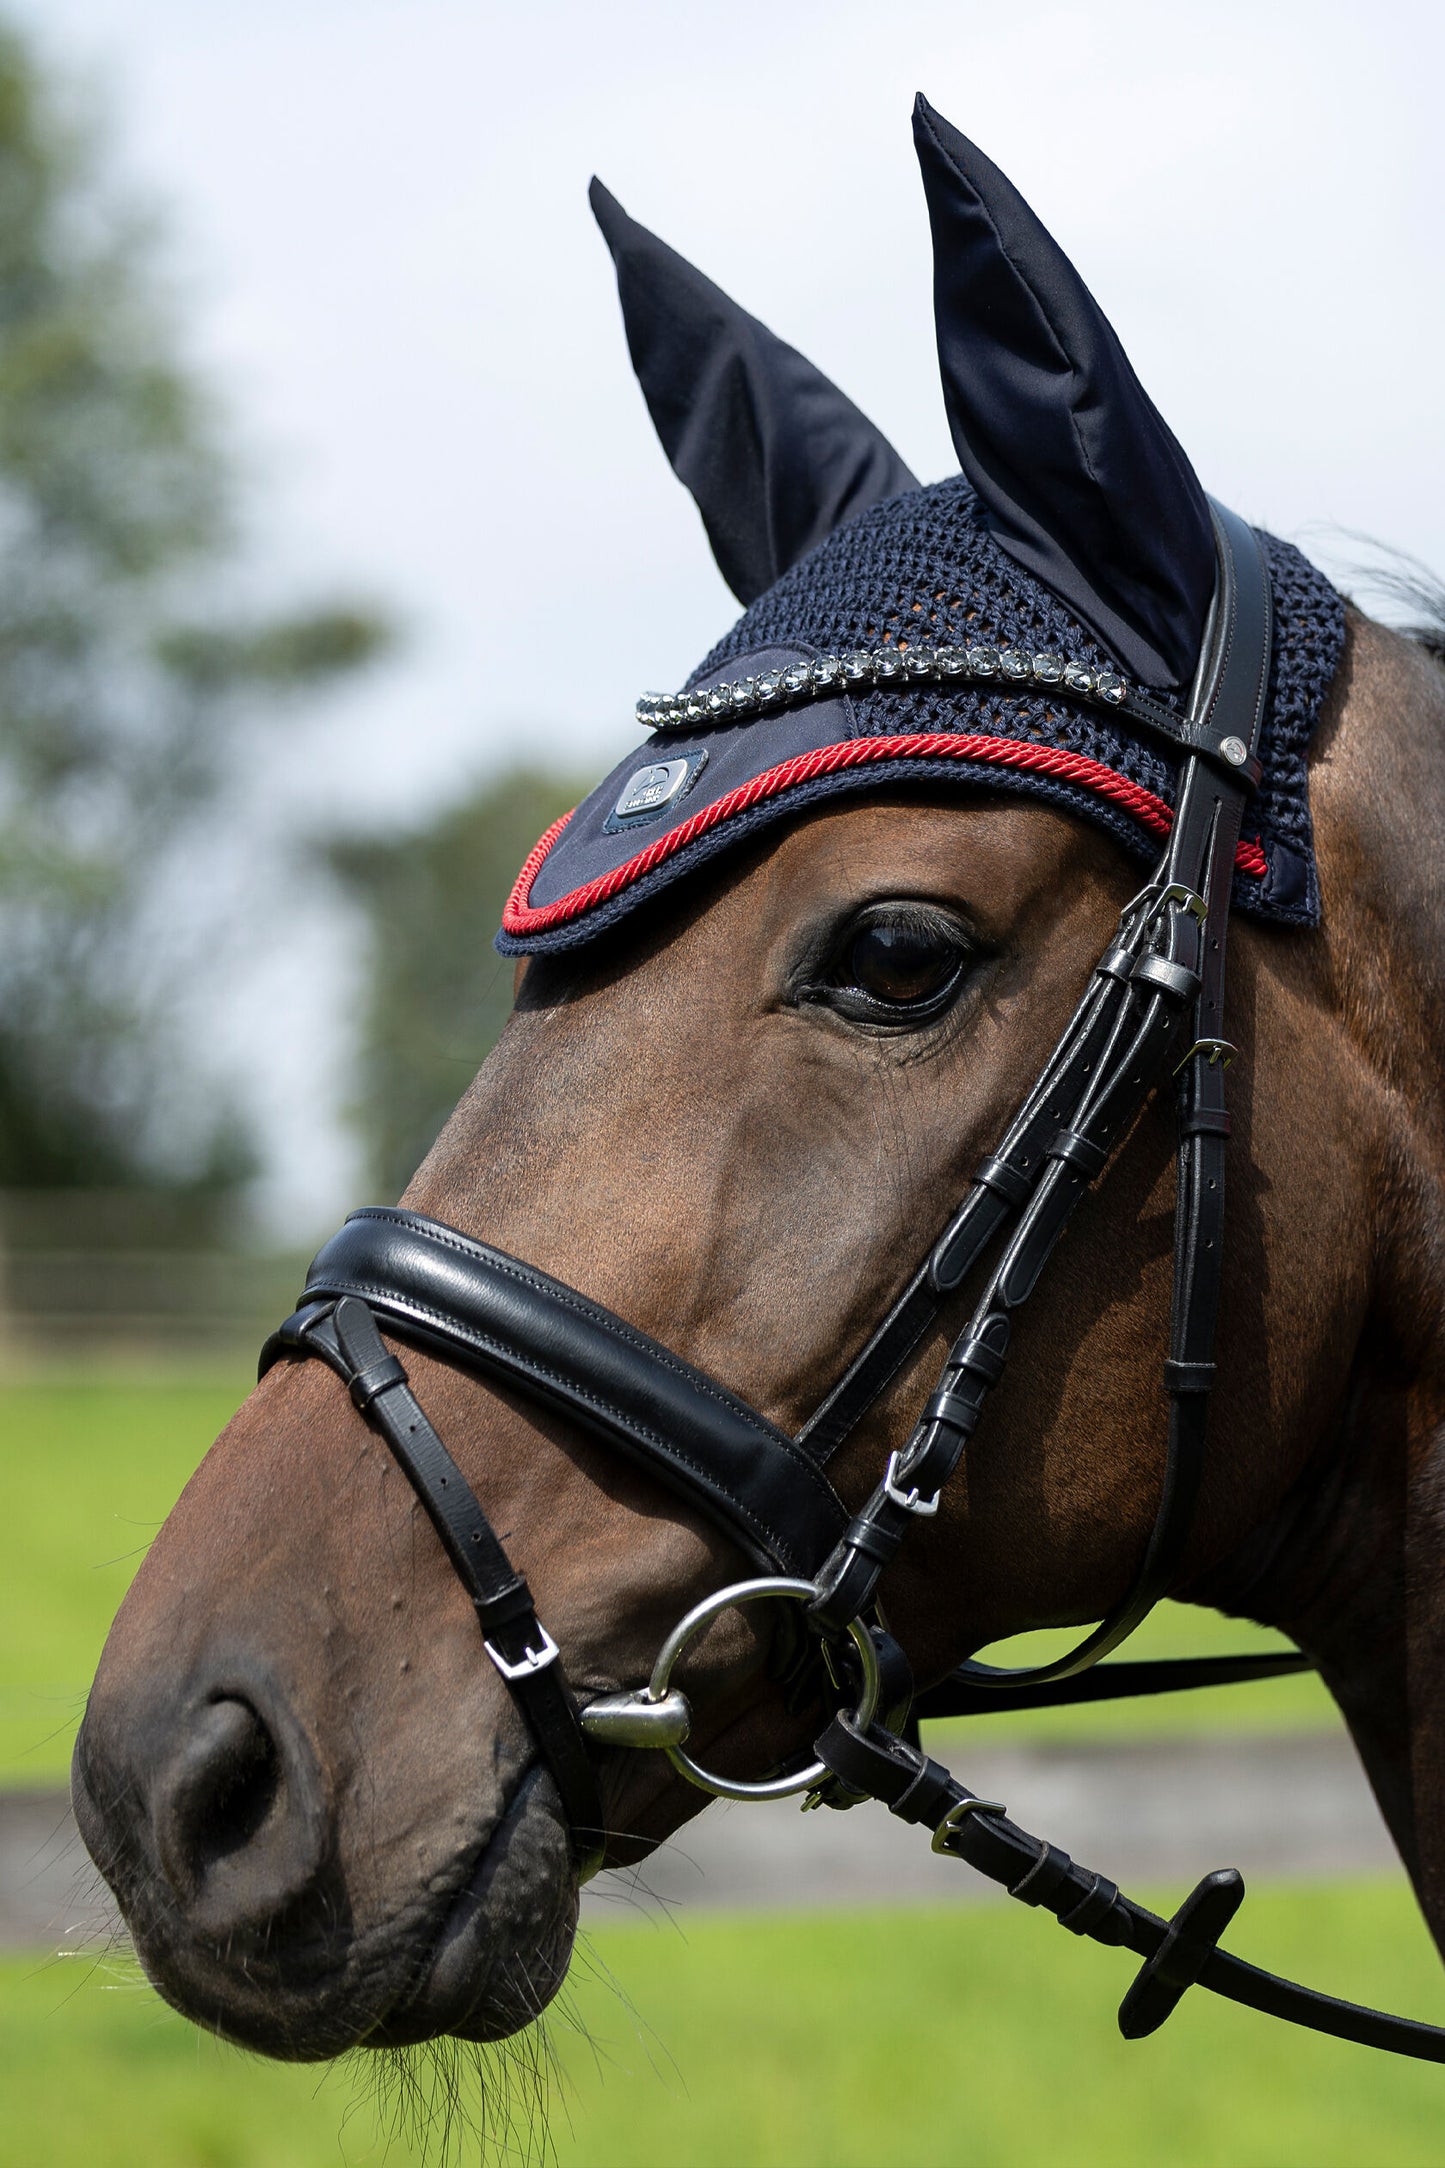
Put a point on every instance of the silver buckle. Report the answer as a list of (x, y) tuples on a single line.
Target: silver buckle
[(1218, 1050), (911, 1501), (535, 1659), (1151, 903), (1184, 899)]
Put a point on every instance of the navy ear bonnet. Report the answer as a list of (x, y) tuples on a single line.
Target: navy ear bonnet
[(1076, 540)]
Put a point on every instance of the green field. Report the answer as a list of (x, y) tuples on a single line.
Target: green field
[(93, 1466), (91, 1469), (978, 2036)]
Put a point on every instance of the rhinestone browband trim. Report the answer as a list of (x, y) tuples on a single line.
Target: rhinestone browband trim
[(867, 669)]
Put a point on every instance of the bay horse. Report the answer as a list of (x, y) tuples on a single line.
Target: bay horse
[(869, 903)]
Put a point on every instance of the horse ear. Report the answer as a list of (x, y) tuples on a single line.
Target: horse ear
[(1081, 480), (774, 454)]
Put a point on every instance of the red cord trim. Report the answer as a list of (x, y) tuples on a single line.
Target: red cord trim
[(1142, 805)]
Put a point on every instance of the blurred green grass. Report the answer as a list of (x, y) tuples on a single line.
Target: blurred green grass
[(980, 2036), (94, 1463)]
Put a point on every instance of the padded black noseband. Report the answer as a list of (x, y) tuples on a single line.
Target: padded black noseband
[(470, 1303)]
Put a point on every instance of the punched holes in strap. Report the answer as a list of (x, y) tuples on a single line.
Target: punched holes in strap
[(977, 1357)]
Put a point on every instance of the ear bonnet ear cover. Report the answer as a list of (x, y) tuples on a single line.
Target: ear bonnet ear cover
[(1081, 481), (773, 453), (1049, 555)]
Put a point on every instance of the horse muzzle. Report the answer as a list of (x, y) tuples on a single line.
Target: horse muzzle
[(225, 1838)]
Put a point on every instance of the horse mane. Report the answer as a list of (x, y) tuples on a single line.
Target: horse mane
[(1411, 584)]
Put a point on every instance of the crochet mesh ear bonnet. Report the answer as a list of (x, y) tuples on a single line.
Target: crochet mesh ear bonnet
[(973, 632)]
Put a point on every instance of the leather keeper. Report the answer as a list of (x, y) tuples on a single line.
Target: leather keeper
[(952, 1410), (1097, 1901), (1116, 963), (875, 1764), (376, 1378), (506, 1607), (1038, 1883), (1079, 1152), (1187, 1377), (1204, 1122), (869, 1539), (998, 1175), (1169, 977), (981, 1359), (927, 1798)]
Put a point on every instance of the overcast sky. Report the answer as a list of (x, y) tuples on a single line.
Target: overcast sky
[(379, 217)]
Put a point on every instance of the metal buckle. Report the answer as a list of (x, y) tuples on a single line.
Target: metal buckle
[(534, 1661), (957, 1816), (1187, 899), (911, 1501), (1142, 910), (1218, 1050)]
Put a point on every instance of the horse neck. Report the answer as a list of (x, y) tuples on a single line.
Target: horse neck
[(1353, 1564), (1378, 797)]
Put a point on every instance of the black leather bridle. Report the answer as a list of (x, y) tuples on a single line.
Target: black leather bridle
[(1161, 977)]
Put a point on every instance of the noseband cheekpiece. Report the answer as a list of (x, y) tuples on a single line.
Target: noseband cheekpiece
[(1160, 980)]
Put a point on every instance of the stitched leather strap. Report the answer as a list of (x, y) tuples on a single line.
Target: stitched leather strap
[(524, 1654), (438, 1288)]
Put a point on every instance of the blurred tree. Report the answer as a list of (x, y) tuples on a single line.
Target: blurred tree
[(437, 992), (123, 683)]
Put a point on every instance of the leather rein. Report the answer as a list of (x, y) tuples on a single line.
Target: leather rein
[(1160, 979)]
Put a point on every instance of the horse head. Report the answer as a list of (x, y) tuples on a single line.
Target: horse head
[(783, 983)]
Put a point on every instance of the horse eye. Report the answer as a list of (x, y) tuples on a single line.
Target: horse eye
[(902, 966), (901, 963)]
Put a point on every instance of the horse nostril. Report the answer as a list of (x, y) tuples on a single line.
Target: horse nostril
[(228, 1781), (232, 1838)]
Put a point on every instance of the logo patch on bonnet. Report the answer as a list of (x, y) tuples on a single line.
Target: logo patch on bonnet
[(653, 789)]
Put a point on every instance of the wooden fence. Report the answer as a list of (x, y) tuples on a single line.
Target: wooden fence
[(96, 1273)]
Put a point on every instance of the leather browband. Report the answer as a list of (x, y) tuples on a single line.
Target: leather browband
[(439, 1289)]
